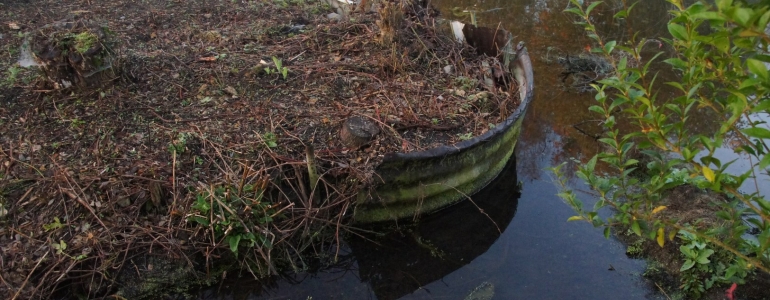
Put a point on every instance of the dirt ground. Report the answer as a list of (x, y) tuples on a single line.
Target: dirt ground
[(208, 102)]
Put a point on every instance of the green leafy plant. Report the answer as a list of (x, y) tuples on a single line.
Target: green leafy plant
[(237, 217), (76, 123), (60, 247), (279, 68), (465, 136), (271, 140), (178, 145), (704, 267), (12, 75), (56, 224), (720, 54)]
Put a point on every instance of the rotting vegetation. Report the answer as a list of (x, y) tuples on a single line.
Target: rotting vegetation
[(191, 158)]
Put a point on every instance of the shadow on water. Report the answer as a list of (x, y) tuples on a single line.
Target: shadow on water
[(405, 260)]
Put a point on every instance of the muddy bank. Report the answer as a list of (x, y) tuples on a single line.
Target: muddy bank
[(696, 207)]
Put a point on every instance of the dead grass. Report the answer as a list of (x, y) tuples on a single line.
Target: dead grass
[(193, 109)]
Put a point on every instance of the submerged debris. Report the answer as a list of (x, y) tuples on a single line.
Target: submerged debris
[(485, 291), (584, 70)]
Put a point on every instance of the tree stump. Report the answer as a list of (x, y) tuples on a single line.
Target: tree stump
[(358, 131), (75, 53)]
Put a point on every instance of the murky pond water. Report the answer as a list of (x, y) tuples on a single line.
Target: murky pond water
[(515, 244)]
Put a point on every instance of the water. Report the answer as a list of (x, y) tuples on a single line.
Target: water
[(535, 254)]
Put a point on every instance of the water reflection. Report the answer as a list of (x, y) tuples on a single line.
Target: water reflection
[(406, 260)]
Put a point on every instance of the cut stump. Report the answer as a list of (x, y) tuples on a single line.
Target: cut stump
[(75, 53), (358, 131)]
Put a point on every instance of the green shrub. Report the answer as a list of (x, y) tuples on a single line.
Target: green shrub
[(721, 57)]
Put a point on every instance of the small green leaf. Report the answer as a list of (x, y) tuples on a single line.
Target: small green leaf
[(742, 15), (763, 106), (678, 31), (757, 67), (597, 109), (234, 240), (688, 264), (635, 227), (724, 4), (757, 132), (763, 20), (591, 164), (708, 15), (687, 251), (574, 11), (703, 258), (610, 142), (575, 218), (764, 162), (676, 63), (592, 6), (609, 46)]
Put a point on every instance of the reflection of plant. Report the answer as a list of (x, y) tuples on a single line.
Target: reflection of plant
[(722, 69), (238, 217)]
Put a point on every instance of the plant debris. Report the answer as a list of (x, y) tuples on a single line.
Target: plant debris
[(196, 146)]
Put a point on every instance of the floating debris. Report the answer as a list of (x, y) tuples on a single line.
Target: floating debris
[(485, 291)]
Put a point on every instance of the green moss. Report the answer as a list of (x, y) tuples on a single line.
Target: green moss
[(84, 41)]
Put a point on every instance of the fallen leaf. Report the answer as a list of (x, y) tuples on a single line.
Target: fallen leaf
[(13, 26), (708, 173), (202, 88), (208, 58), (661, 237), (231, 90)]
